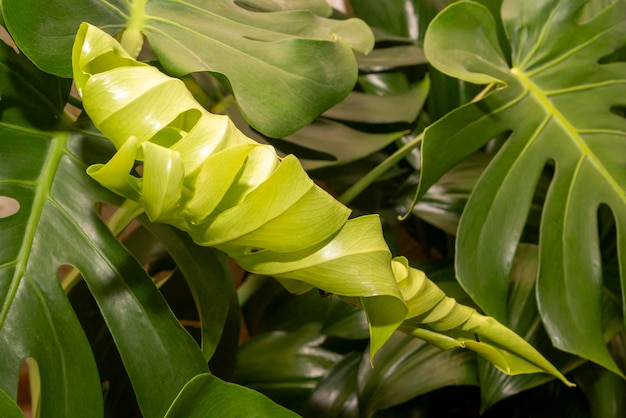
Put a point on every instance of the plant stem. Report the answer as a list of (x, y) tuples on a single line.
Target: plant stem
[(249, 287), (222, 105), (77, 103), (484, 92), (358, 187), (132, 38)]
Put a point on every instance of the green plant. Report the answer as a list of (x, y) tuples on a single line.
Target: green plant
[(307, 353)]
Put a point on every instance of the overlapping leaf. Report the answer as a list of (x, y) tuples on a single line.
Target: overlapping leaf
[(34, 320), (57, 224), (560, 102), (409, 368), (279, 58), (286, 366), (257, 200), (206, 396), (523, 317)]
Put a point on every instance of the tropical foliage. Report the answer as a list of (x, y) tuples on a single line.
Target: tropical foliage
[(519, 111)]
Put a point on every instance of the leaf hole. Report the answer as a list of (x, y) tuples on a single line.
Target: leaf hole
[(8, 206), (63, 271), (105, 211), (167, 136), (186, 120), (619, 111), (530, 233), (177, 128), (7, 39), (69, 276), (608, 247), (28, 388), (619, 55), (251, 250)]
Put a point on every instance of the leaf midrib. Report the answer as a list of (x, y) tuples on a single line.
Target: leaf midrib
[(225, 45), (573, 132), (44, 182), (225, 18), (146, 27)]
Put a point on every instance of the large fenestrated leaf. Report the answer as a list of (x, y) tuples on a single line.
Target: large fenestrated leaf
[(286, 62), (560, 103), (36, 319), (57, 224)]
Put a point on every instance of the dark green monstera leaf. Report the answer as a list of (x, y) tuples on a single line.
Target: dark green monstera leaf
[(560, 97), (57, 224)]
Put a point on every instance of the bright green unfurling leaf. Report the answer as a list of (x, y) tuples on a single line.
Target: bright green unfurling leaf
[(203, 176)]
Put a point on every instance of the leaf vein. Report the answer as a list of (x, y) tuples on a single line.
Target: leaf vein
[(45, 184), (582, 87)]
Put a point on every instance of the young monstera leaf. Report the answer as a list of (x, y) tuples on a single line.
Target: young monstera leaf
[(286, 62), (203, 176), (560, 96)]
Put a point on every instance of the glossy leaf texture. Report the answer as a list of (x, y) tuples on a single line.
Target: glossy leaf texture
[(57, 224), (444, 202), (409, 367), (559, 103), (405, 369), (203, 176), (362, 124), (523, 317), (294, 363), (286, 366), (29, 96), (34, 320), (279, 58), (207, 275)]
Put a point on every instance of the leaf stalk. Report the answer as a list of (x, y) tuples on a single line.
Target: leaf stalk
[(365, 181)]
